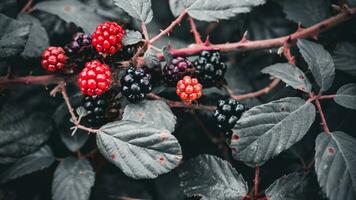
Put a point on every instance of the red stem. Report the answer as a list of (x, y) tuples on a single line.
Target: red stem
[(268, 43), (260, 92), (322, 116), (170, 27), (195, 32), (256, 180), (327, 96), (27, 6), (40, 80)]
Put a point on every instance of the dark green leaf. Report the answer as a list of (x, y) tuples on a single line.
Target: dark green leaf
[(38, 39), (139, 9), (265, 131), (131, 37), (345, 57), (335, 165), (13, 36), (167, 55), (150, 58), (289, 74), (176, 7), (72, 11), (307, 12), (73, 179), (207, 10), (351, 2), (346, 96), (319, 61), (211, 178), (295, 186), (156, 114), (21, 134), (62, 119), (6, 4), (139, 150), (39, 160)]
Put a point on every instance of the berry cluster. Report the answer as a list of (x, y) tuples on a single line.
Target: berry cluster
[(189, 89), (135, 84), (176, 70), (95, 78), (53, 58), (107, 38), (228, 112), (81, 42), (209, 68)]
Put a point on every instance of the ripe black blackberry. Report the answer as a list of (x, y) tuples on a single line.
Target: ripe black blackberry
[(101, 109), (210, 69), (135, 84), (228, 112), (176, 70)]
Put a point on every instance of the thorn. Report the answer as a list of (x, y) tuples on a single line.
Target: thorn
[(300, 28), (244, 37), (280, 51), (207, 42), (336, 8)]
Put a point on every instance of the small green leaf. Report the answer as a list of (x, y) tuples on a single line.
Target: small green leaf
[(39, 160), (13, 36), (131, 37), (207, 10), (73, 179), (289, 74), (319, 61), (335, 165), (150, 58), (345, 57), (266, 130), (139, 150), (72, 11), (210, 177), (157, 114), (346, 96), (139, 9)]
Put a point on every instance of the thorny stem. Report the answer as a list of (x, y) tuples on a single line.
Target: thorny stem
[(27, 7), (37, 80), (169, 28), (195, 32), (256, 181), (322, 116), (178, 104), (245, 45)]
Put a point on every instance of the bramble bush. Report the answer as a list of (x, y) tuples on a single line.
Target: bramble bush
[(177, 99)]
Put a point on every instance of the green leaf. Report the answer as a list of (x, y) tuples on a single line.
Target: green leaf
[(73, 179), (266, 130), (39, 160), (38, 39), (139, 9), (6, 5), (156, 114), (139, 150), (351, 2), (306, 12), (335, 165), (13, 36), (21, 134), (319, 61), (210, 177), (150, 59), (346, 96), (207, 10), (289, 74), (72, 11), (295, 186), (131, 37), (345, 57), (176, 6)]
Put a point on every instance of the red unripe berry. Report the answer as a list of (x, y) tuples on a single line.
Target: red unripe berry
[(53, 58), (189, 89), (107, 38), (95, 78)]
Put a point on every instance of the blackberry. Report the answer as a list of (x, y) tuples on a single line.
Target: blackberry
[(228, 112), (176, 70), (80, 43), (210, 69), (135, 84), (101, 109)]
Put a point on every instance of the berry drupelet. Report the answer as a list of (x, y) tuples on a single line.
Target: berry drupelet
[(176, 70), (228, 112), (135, 84), (210, 69), (189, 89), (53, 59), (107, 38), (95, 78), (101, 109)]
